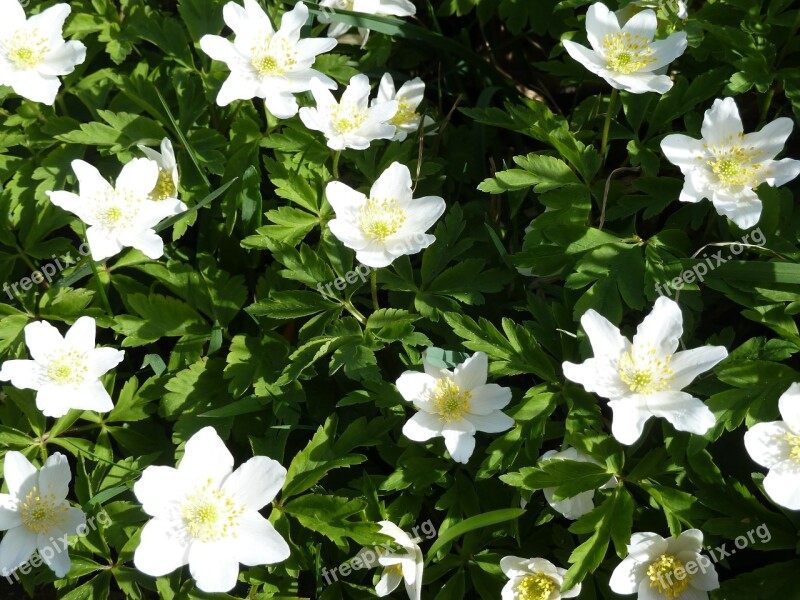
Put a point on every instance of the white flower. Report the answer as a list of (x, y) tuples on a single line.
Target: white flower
[(351, 122), (65, 371), (627, 57), (534, 579), (265, 63), (167, 185), (645, 379), (672, 568), (407, 120), (726, 164), (576, 506), (36, 513), (205, 514), (455, 404), (32, 52), (388, 224), (121, 215), (398, 566), (394, 8), (776, 446)]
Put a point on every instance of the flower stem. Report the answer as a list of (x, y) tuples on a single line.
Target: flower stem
[(100, 289), (336, 156), (373, 284), (611, 110), (355, 312)]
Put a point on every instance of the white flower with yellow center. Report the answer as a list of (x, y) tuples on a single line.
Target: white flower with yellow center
[(351, 122), (402, 562), (665, 569), (644, 379), (36, 513), (534, 579), (455, 404), (776, 446), (576, 506), (205, 514), (264, 63), (726, 165), (406, 120), (32, 52), (65, 371), (387, 224), (167, 185), (121, 215), (628, 57), (383, 8)]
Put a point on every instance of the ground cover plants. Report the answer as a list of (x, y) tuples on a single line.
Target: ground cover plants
[(459, 299)]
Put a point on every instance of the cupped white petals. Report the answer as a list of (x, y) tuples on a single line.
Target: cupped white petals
[(401, 561), (167, 184), (33, 53), (407, 120), (670, 568), (776, 446), (264, 63), (65, 371), (122, 215), (644, 378), (454, 405), (534, 578), (576, 506), (36, 511), (726, 165), (205, 515), (387, 224), (350, 122), (627, 56)]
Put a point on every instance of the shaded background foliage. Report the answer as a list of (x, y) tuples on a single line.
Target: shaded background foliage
[(228, 328)]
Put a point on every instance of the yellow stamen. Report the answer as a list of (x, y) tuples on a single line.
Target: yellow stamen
[(663, 576), (536, 587), (379, 219), (450, 401), (41, 512), (644, 371), (210, 515), (626, 53)]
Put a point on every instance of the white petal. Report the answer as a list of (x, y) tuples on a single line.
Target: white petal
[(56, 559), (590, 59), (16, 548), (487, 398), (667, 50), (357, 91), (219, 48), (689, 540), (349, 234), (102, 243), (706, 578), (90, 182), (629, 419), (600, 22), (293, 20), (767, 443), (213, 566), (459, 444), (574, 507), (257, 542), (23, 374), (63, 59), (640, 82), (682, 150), (627, 575), (771, 138), (281, 105), (605, 339), (693, 188), (645, 546), (206, 456), (9, 514), (81, 335), (472, 372), (102, 360), (422, 427), (721, 123), (13, 14), (148, 241), (388, 582), (782, 484), (42, 339), (256, 482), (514, 566), (743, 208), (779, 172), (414, 386), (344, 200), (89, 396), (157, 490), (237, 87), (688, 364), (597, 376), (789, 406), (685, 412), (19, 473), (139, 176), (375, 257), (394, 183), (495, 422), (422, 213), (662, 328), (386, 89), (642, 24), (160, 550), (55, 476), (50, 400), (33, 86)]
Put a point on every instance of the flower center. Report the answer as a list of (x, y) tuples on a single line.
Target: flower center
[(398, 569), (68, 368), (405, 115), (794, 443), (25, 49), (663, 577), (346, 117), (734, 164), (210, 515), (41, 512), (644, 371), (449, 400), (117, 209), (626, 53), (536, 587), (381, 218), (273, 56), (165, 186)]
